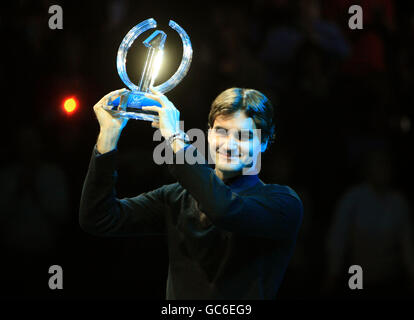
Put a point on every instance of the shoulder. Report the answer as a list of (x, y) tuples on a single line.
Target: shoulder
[(172, 187), (173, 191), (278, 189), (398, 202), (356, 193), (284, 198)]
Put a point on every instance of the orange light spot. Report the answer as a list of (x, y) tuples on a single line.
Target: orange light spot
[(70, 105)]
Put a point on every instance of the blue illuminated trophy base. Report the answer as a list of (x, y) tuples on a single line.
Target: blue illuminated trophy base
[(132, 106)]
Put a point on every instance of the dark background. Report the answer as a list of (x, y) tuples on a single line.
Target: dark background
[(338, 94)]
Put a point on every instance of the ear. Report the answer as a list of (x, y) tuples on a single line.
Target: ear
[(263, 146)]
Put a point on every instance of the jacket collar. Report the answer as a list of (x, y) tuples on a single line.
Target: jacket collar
[(243, 182)]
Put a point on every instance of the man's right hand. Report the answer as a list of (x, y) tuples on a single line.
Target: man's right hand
[(111, 124)]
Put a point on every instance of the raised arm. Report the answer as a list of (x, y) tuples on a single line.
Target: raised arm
[(101, 212), (275, 213)]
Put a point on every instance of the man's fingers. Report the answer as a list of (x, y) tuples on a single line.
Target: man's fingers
[(157, 96), (105, 100), (154, 97), (112, 94), (155, 91), (99, 106), (152, 108)]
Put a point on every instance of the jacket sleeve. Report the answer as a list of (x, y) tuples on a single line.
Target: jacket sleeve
[(272, 213), (102, 213)]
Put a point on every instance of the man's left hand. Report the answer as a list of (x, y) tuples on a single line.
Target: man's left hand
[(169, 116)]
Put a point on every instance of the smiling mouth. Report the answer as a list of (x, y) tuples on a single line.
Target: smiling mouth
[(223, 155)]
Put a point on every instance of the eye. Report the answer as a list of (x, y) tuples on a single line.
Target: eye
[(220, 131), (245, 135)]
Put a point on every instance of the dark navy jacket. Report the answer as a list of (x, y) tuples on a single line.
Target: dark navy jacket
[(240, 250)]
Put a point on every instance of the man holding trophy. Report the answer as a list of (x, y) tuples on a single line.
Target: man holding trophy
[(230, 235)]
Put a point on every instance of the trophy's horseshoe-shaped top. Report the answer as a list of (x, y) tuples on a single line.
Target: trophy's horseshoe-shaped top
[(130, 38)]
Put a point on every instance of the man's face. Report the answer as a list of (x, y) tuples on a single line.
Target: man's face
[(234, 143)]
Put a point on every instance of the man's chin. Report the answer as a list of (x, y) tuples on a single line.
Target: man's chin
[(228, 167)]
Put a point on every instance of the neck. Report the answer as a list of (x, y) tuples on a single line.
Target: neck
[(226, 175)]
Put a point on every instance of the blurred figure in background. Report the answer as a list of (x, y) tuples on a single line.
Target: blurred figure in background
[(372, 228), (304, 50), (34, 210)]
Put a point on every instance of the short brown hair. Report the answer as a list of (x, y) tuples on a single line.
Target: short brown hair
[(252, 102)]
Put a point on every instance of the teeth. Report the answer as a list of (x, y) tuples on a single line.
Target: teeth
[(227, 156)]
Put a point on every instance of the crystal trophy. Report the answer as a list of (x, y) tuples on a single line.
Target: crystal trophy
[(130, 103)]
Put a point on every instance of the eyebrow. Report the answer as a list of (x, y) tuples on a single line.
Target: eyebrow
[(219, 127)]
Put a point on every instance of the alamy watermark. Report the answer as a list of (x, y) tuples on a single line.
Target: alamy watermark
[(56, 20), (356, 280), (56, 280), (356, 20), (239, 149)]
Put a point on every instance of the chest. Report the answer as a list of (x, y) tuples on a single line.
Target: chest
[(376, 216)]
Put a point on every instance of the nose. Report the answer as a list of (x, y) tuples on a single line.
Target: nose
[(231, 144)]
